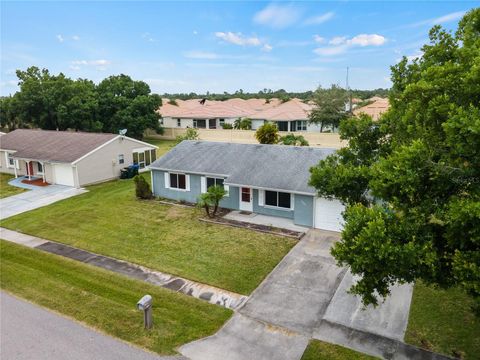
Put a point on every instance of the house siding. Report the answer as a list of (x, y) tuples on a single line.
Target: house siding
[(303, 206), (229, 202), (102, 165), (302, 213)]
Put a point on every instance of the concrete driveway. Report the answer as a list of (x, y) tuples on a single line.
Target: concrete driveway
[(31, 332), (36, 197), (305, 290)]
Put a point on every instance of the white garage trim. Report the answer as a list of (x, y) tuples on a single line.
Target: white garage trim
[(64, 174), (328, 214)]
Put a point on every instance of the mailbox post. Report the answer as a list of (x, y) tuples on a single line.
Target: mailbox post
[(145, 304)]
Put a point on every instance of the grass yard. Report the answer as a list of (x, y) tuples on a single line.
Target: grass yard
[(319, 350), (163, 145), (106, 301), (8, 190), (109, 220), (442, 321)]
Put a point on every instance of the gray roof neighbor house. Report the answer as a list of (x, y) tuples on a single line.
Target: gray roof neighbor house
[(279, 167)]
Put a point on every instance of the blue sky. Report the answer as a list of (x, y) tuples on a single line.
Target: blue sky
[(220, 46)]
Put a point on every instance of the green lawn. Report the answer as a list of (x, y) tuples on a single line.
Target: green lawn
[(442, 321), (106, 301), (319, 350), (109, 220), (8, 190), (163, 145)]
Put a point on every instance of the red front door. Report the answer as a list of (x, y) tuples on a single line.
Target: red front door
[(30, 168)]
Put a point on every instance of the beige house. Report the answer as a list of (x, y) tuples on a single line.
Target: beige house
[(71, 158)]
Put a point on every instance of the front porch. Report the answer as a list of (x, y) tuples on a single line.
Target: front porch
[(25, 182), (259, 219), (34, 169)]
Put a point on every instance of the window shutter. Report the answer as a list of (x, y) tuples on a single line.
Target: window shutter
[(203, 184), (227, 189), (261, 197), (167, 180), (187, 182)]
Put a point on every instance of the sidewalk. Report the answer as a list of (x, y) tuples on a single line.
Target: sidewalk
[(205, 292)]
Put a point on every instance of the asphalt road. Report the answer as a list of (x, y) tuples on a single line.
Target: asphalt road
[(28, 331)]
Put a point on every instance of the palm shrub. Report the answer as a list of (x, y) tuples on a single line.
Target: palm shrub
[(142, 188), (291, 139), (211, 199), (267, 133), (190, 134)]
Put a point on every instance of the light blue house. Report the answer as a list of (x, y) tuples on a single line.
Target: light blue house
[(265, 179)]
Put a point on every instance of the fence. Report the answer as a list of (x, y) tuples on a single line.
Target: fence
[(328, 140)]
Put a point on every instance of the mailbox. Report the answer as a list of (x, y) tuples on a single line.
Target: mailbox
[(144, 303)]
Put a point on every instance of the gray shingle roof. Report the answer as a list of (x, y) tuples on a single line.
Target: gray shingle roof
[(46, 145), (276, 167)]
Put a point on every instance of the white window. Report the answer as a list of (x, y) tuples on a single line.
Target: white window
[(39, 168), (278, 199), (11, 162), (179, 123), (144, 157), (214, 182), (121, 159), (301, 125), (221, 122), (177, 181)]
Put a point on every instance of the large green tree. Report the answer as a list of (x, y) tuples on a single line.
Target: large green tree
[(56, 102), (329, 107), (125, 103), (411, 181)]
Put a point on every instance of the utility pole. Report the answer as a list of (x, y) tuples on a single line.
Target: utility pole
[(349, 94)]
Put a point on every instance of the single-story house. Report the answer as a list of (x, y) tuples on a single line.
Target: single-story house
[(265, 179), (71, 158)]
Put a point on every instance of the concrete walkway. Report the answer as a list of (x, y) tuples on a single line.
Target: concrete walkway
[(205, 292), (259, 219), (305, 294), (38, 196), (29, 332)]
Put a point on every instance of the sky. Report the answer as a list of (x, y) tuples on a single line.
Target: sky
[(220, 46)]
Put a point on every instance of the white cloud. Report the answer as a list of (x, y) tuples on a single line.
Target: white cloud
[(267, 48), (75, 37), (60, 38), (277, 16), (200, 55), (340, 44), (367, 40), (319, 19), (448, 18), (100, 64), (195, 32), (238, 38), (318, 39), (337, 40), (331, 51), (415, 56)]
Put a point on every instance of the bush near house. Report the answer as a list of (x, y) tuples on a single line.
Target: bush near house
[(142, 188), (267, 134)]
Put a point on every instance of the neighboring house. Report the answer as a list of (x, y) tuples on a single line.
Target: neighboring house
[(71, 158), (375, 109), (264, 179), (289, 116)]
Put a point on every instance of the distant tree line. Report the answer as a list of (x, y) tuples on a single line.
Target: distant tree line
[(56, 102), (270, 94)]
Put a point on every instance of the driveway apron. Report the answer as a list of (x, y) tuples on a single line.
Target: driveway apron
[(35, 198), (305, 290)]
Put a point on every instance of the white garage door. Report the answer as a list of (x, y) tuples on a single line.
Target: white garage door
[(63, 175), (328, 214)]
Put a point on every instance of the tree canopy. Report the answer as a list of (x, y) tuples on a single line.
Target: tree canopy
[(329, 107), (411, 181), (56, 102)]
